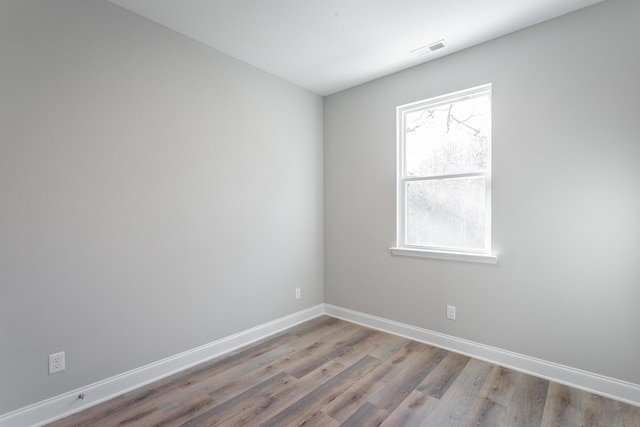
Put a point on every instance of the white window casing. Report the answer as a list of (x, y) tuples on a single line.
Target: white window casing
[(444, 177)]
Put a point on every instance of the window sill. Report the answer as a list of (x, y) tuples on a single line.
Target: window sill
[(451, 256)]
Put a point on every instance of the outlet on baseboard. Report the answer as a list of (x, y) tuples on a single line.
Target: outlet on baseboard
[(297, 293), (56, 362)]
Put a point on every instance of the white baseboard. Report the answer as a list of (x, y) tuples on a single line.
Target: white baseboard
[(66, 404), (598, 384)]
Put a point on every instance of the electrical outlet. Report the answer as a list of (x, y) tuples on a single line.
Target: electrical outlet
[(297, 293), (56, 362), (451, 312)]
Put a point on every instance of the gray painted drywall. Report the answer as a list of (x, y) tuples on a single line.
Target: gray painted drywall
[(566, 196), (156, 195)]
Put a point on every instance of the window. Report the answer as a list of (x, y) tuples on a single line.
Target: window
[(444, 177)]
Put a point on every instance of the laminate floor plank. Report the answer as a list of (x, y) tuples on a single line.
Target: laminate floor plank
[(389, 384), (485, 413), (367, 415), (240, 384), (376, 344), (500, 386), (388, 346), (440, 379), (328, 372), (629, 415), (337, 344), (527, 405), (223, 413), (305, 408), (412, 372), (275, 400), (318, 326), (458, 400), (413, 411), (318, 419), (221, 377), (596, 411), (182, 413), (330, 333), (112, 412), (561, 407)]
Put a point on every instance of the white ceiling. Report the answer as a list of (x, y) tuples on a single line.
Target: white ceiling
[(330, 45)]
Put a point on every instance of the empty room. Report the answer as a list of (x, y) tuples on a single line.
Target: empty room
[(345, 212)]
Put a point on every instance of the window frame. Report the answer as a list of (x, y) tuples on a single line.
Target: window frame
[(402, 248)]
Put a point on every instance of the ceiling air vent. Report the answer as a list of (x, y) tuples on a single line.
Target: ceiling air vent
[(428, 48)]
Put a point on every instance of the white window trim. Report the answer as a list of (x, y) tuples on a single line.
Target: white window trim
[(445, 255), (403, 249)]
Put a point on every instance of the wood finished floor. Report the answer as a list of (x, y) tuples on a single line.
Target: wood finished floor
[(327, 372)]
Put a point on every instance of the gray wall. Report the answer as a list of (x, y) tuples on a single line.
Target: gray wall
[(156, 195), (566, 196)]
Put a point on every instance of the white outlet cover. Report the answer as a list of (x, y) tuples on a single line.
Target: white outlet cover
[(56, 362), (451, 312)]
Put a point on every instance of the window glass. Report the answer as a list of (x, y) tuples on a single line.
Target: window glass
[(448, 139), (446, 213)]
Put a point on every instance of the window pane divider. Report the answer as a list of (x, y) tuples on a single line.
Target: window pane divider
[(449, 176)]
